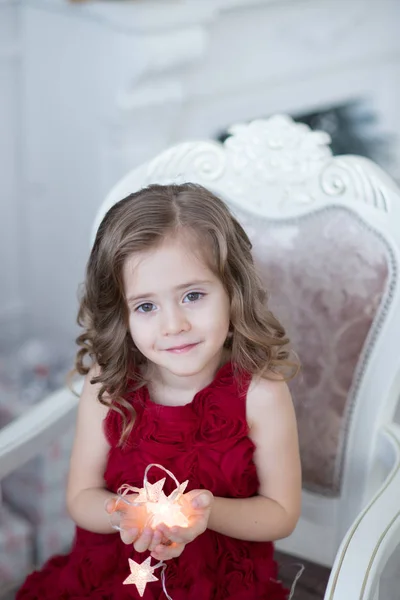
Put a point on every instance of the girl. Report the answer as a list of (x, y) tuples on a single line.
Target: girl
[(184, 367)]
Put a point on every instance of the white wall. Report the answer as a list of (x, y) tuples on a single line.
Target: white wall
[(107, 85), (63, 179), (11, 228)]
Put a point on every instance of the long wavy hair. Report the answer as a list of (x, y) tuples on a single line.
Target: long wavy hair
[(257, 341)]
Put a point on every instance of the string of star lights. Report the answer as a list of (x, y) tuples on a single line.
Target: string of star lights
[(159, 509)]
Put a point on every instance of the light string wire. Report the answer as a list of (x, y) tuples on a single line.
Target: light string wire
[(126, 489)]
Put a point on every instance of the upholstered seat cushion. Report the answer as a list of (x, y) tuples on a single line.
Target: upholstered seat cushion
[(327, 273)]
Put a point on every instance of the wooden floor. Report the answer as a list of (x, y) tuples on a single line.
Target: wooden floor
[(313, 581), (310, 586)]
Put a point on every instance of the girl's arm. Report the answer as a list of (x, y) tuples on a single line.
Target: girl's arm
[(272, 514), (86, 493), (89, 502)]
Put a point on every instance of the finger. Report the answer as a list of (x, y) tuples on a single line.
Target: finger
[(156, 540), (167, 536), (144, 540), (131, 521), (164, 530), (202, 500), (162, 552), (110, 505), (116, 520), (176, 534), (180, 535), (128, 536), (133, 517)]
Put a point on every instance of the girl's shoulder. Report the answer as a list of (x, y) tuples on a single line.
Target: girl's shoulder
[(90, 447), (89, 399), (268, 396)]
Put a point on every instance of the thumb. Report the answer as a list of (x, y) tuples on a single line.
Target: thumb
[(110, 505), (203, 500)]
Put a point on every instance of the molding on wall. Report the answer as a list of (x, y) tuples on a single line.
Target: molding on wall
[(134, 17), (147, 15)]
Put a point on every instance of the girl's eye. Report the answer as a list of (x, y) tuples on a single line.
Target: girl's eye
[(193, 296), (146, 307)]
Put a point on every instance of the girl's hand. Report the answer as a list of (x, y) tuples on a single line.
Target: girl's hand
[(130, 521), (197, 508)]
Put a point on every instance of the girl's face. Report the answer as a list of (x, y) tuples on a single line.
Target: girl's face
[(178, 309)]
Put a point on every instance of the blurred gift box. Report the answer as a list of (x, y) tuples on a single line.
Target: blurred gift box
[(37, 490), (16, 548)]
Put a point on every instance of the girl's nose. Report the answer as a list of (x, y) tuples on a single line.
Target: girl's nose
[(175, 321)]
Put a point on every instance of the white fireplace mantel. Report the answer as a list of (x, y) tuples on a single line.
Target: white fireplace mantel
[(148, 15), (106, 85), (179, 51)]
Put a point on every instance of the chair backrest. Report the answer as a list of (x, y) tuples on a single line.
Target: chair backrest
[(326, 236)]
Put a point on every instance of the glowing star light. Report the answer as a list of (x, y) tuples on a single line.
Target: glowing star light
[(165, 509), (140, 575), (151, 492), (160, 508), (167, 512)]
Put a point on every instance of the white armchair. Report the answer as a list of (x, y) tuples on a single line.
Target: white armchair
[(326, 235), (374, 534), (30, 434)]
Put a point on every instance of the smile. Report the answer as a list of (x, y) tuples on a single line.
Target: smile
[(182, 349)]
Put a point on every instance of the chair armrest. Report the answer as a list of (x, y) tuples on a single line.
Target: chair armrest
[(28, 435), (372, 538)]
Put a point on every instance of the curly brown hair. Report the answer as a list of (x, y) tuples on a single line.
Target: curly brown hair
[(258, 343)]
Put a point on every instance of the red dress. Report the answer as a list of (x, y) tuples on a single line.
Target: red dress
[(206, 442)]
